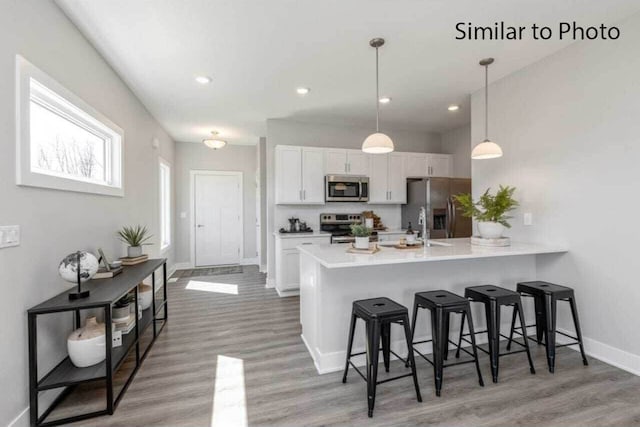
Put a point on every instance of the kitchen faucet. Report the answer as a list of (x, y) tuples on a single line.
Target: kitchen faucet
[(422, 220)]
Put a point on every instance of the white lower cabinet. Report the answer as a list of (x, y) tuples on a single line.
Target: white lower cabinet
[(288, 261)]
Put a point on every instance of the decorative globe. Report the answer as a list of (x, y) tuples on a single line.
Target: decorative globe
[(68, 267)]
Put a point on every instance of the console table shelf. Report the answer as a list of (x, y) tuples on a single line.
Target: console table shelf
[(104, 293)]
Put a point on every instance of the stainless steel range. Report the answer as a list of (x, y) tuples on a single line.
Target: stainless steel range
[(339, 225)]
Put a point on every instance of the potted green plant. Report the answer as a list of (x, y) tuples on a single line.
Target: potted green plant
[(490, 210), (362, 233), (136, 237)]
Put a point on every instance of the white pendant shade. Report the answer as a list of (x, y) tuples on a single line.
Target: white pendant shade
[(377, 143), (214, 143), (486, 150)]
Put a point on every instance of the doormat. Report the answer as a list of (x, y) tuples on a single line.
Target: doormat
[(209, 271)]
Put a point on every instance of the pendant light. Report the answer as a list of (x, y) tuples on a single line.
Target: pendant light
[(377, 143), (487, 149), (214, 142)]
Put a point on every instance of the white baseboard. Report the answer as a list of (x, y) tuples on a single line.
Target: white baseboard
[(22, 420), (182, 265), (271, 283), (263, 268), (250, 261), (288, 293)]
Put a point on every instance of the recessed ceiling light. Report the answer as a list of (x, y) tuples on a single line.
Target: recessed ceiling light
[(303, 90), (385, 100), (203, 80), (453, 108)]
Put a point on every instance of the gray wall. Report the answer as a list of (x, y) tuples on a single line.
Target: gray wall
[(457, 142), (568, 126), (262, 156), (288, 132), (55, 223), (192, 156)]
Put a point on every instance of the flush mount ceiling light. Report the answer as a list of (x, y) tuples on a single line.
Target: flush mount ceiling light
[(385, 100), (487, 149), (214, 142), (203, 80), (453, 107), (377, 143), (303, 90)]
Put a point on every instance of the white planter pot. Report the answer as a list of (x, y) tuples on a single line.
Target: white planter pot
[(490, 230), (145, 296), (134, 251), (120, 314), (362, 243)]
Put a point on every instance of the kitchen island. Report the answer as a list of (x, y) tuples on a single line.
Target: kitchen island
[(331, 279)]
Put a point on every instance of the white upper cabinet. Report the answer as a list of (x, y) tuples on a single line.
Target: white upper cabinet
[(387, 179), (357, 163), (346, 162), (313, 176), (416, 165), (440, 165), (299, 175)]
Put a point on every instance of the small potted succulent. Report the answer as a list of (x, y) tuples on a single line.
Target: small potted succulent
[(121, 310), (490, 210), (136, 237), (362, 233)]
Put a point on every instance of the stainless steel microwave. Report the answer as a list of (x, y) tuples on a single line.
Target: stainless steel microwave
[(346, 188)]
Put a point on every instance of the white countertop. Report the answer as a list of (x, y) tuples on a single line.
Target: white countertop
[(300, 235), (335, 256)]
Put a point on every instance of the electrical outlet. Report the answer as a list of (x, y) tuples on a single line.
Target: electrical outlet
[(528, 218), (9, 236)]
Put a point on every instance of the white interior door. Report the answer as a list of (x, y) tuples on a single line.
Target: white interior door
[(218, 218)]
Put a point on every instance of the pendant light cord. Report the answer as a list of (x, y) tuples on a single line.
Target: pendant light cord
[(377, 95), (486, 102)]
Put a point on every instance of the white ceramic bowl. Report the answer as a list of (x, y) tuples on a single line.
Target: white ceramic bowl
[(87, 352), (145, 298)]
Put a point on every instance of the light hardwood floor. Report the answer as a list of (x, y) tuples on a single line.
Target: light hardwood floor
[(257, 334)]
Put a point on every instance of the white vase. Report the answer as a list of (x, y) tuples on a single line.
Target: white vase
[(145, 296), (490, 229), (134, 251), (362, 243), (86, 346)]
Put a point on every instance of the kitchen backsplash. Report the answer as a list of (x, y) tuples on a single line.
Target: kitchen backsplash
[(390, 214)]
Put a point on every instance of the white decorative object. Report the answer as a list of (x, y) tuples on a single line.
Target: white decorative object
[(362, 243), (368, 222), (481, 241), (86, 346), (490, 230), (145, 296), (68, 268)]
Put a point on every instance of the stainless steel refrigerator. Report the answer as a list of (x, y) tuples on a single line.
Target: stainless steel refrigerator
[(444, 216)]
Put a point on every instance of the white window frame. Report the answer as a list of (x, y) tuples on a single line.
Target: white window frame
[(165, 209), (73, 107)]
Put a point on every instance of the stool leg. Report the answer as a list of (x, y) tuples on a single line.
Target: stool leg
[(513, 326), (374, 344), (386, 344), (410, 358), (352, 329), (540, 318), (445, 344), (492, 311), (473, 343), (413, 328), (550, 331), (464, 313), (437, 334), (518, 307), (576, 323), (369, 350)]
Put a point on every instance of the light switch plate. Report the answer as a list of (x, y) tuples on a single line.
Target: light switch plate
[(9, 236), (528, 218), (183, 215)]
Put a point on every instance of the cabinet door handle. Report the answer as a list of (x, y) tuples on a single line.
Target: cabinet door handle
[(390, 195), (304, 194), (345, 168), (300, 194)]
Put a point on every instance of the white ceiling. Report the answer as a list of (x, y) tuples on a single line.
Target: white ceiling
[(259, 51)]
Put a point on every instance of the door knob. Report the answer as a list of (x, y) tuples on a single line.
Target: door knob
[(199, 225)]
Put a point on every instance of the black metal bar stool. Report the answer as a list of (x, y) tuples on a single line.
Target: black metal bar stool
[(378, 315), (441, 304), (546, 296), (493, 298)]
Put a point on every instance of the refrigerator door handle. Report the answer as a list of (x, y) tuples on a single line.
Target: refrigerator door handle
[(451, 217)]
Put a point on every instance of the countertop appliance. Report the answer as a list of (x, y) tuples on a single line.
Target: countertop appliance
[(444, 217), (346, 188), (339, 225)]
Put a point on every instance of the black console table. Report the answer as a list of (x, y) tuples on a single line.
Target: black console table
[(104, 293)]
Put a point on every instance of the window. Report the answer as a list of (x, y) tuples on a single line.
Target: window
[(63, 143), (165, 204)]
